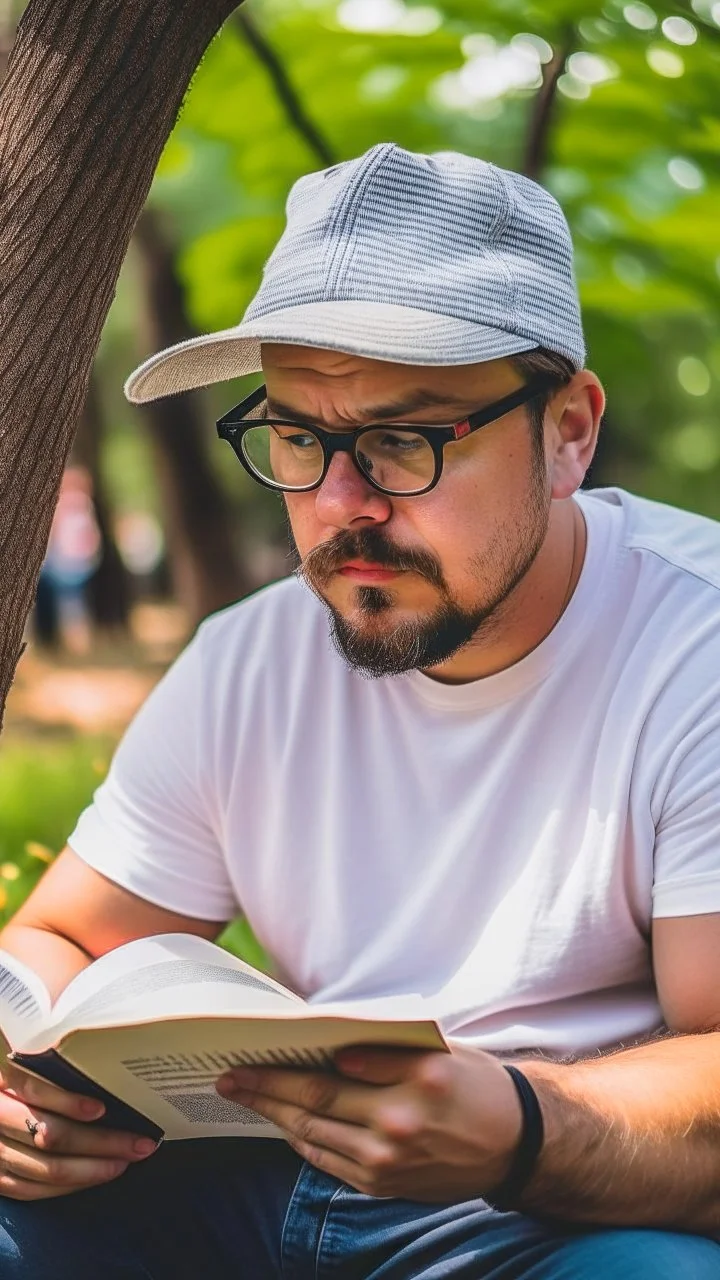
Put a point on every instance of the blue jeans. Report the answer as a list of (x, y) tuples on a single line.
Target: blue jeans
[(251, 1210)]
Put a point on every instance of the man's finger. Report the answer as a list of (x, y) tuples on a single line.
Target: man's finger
[(377, 1065), (70, 1172), (23, 1189), (39, 1093), (15, 1188), (318, 1138), (322, 1093), (45, 1131)]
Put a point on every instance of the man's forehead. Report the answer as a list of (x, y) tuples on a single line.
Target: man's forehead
[(377, 389), (423, 398)]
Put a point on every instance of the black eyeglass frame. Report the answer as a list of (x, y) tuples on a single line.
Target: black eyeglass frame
[(234, 424)]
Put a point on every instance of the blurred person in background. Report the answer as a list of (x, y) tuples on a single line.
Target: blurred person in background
[(479, 759), (62, 612), (142, 549)]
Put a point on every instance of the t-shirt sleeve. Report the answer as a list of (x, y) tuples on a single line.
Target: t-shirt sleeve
[(153, 826), (687, 844)]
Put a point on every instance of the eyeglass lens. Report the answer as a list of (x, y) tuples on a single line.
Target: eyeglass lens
[(292, 458)]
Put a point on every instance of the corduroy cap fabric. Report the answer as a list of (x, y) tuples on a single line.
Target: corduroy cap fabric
[(415, 259)]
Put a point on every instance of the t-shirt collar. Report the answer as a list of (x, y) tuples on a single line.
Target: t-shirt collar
[(585, 604)]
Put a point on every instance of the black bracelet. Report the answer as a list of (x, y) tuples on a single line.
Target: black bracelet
[(505, 1195)]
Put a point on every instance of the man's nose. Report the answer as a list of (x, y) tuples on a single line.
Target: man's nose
[(345, 496)]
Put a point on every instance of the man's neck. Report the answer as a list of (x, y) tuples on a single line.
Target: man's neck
[(532, 610)]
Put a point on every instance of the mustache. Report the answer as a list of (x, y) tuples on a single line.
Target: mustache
[(326, 559)]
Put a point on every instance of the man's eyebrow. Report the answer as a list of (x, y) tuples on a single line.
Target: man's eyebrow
[(422, 399)]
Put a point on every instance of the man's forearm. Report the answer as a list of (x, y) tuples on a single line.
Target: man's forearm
[(55, 959), (632, 1139)]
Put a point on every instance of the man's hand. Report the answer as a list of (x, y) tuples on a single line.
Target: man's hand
[(65, 1154), (421, 1126)]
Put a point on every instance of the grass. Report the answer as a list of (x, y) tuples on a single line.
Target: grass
[(45, 783)]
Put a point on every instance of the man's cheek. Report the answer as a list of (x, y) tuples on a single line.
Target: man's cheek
[(304, 526)]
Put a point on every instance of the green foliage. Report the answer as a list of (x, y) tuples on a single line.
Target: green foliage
[(631, 152), (239, 938)]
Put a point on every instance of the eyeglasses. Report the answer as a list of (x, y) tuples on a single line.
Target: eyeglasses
[(400, 459)]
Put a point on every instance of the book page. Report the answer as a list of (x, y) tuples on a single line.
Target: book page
[(24, 1000), (163, 976)]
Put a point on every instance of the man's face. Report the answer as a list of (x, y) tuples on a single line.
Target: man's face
[(409, 581)]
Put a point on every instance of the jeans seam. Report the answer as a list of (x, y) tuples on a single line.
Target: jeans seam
[(338, 1191), (286, 1220)]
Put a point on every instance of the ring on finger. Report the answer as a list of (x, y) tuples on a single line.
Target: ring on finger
[(33, 1128)]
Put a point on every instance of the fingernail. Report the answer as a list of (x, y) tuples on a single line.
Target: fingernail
[(144, 1146), (349, 1061), (226, 1084), (92, 1108)]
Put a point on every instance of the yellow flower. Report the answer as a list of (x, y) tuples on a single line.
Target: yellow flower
[(39, 851), (9, 871)]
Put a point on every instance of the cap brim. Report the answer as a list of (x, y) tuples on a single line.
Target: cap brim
[(378, 331)]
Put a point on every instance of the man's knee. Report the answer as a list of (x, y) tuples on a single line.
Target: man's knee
[(26, 1249), (11, 1262), (39, 1242), (630, 1254)]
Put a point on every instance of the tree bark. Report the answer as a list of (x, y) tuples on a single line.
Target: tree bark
[(204, 562), (90, 96)]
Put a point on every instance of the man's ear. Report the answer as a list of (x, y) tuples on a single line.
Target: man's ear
[(571, 430)]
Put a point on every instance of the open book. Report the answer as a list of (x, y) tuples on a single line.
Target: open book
[(150, 1027)]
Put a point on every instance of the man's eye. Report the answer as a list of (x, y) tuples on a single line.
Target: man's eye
[(300, 441), (403, 442)]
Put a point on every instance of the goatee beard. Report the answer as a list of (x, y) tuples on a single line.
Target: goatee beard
[(418, 644), (410, 646), (421, 643)]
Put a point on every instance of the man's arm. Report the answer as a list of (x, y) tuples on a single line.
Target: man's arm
[(633, 1139), (75, 915)]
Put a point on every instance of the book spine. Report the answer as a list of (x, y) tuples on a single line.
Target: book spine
[(117, 1115)]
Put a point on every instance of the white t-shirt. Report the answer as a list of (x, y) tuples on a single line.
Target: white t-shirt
[(499, 846)]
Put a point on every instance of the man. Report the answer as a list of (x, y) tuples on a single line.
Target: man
[(518, 817)]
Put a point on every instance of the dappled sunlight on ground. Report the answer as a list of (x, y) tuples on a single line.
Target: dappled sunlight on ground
[(100, 691), (91, 699)]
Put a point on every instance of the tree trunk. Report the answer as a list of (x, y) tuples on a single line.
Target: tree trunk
[(204, 563), (90, 96), (537, 144), (108, 591)]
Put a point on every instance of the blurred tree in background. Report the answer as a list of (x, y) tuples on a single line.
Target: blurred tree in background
[(613, 106)]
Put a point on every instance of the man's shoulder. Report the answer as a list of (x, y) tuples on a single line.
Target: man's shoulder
[(678, 543)]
